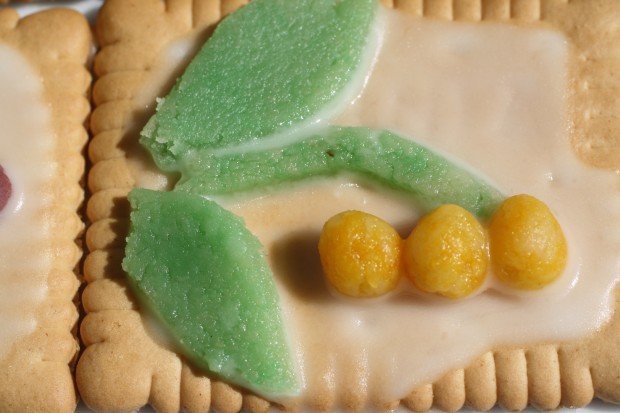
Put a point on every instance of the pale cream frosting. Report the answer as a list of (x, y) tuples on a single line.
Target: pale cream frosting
[(495, 98), (26, 156)]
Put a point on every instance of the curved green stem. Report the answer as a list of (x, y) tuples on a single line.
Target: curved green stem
[(379, 155)]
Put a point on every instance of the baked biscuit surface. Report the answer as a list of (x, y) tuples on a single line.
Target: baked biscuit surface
[(44, 107), (119, 336)]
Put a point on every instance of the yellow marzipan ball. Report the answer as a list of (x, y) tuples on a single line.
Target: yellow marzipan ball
[(527, 245), (360, 254), (447, 253)]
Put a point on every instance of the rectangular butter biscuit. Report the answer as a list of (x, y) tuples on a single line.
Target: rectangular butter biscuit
[(126, 366)]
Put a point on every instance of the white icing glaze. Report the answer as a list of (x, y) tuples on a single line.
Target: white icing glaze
[(25, 154), (492, 96)]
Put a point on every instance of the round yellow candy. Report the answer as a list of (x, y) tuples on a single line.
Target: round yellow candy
[(527, 245), (360, 254), (447, 253)]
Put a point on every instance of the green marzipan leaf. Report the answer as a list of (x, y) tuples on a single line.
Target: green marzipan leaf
[(201, 272), (267, 67)]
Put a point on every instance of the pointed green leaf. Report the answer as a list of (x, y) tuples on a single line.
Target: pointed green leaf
[(202, 273), (267, 67)]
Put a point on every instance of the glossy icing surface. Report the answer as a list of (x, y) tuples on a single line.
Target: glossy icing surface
[(25, 154), (493, 97)]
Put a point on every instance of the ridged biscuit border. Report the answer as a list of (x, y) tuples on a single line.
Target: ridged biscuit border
[(123, 369), (37, 375)]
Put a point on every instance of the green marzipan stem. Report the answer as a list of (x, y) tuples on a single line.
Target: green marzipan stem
[(378, 155)]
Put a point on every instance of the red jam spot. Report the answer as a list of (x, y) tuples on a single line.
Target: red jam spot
[(5, 189)]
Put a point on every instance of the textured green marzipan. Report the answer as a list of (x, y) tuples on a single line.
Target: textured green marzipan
[(201, 272), (267, 67), (379, 155)]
